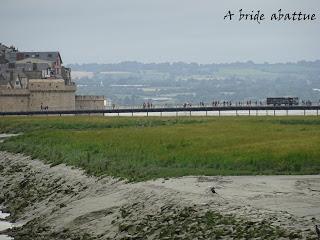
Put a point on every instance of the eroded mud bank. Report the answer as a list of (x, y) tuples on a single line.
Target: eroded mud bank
[(61, 202)]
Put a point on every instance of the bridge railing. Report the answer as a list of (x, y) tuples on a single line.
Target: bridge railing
[(176, 109)]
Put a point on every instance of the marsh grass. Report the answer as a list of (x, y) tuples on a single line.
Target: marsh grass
[(146, 148)]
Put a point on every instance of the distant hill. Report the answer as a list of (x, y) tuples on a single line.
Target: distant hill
[(131, 83)]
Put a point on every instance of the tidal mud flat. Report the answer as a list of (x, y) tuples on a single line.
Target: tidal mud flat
[(61, 202)]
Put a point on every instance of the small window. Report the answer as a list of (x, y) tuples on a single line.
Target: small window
[(50, 55)]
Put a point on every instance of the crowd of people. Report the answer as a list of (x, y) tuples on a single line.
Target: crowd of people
[(225, 103), (147, 105), (307, 102), (42, 107), (214, 103), (237, 103)]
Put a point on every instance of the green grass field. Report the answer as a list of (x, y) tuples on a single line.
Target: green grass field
[(146, 148)]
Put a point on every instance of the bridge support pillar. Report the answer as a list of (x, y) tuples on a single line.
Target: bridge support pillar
[(274, 112), (304, 112), (249, 112)]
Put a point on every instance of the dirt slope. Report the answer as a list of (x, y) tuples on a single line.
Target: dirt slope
[(61, 202)]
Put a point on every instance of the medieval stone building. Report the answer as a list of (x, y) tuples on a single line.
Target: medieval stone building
[(33, 81)]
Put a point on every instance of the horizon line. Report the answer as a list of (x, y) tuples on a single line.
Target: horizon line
[(186, 62)]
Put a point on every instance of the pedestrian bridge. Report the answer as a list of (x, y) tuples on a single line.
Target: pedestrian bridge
[(205, 110)]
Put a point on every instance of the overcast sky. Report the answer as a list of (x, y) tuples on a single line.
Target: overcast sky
[(108, 31)]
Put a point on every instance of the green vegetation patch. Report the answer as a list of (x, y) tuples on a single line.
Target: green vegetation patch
[(146, 148), (29, 124), (299, 121)]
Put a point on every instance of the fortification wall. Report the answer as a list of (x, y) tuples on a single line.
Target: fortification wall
[(51, 93), (89, 102), (14, 100), (46, 84), (54, 100)]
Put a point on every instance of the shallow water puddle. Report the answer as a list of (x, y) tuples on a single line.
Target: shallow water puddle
[(4, 225)]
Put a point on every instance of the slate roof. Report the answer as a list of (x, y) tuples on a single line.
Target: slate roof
[(33, 60), (47, 56)]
